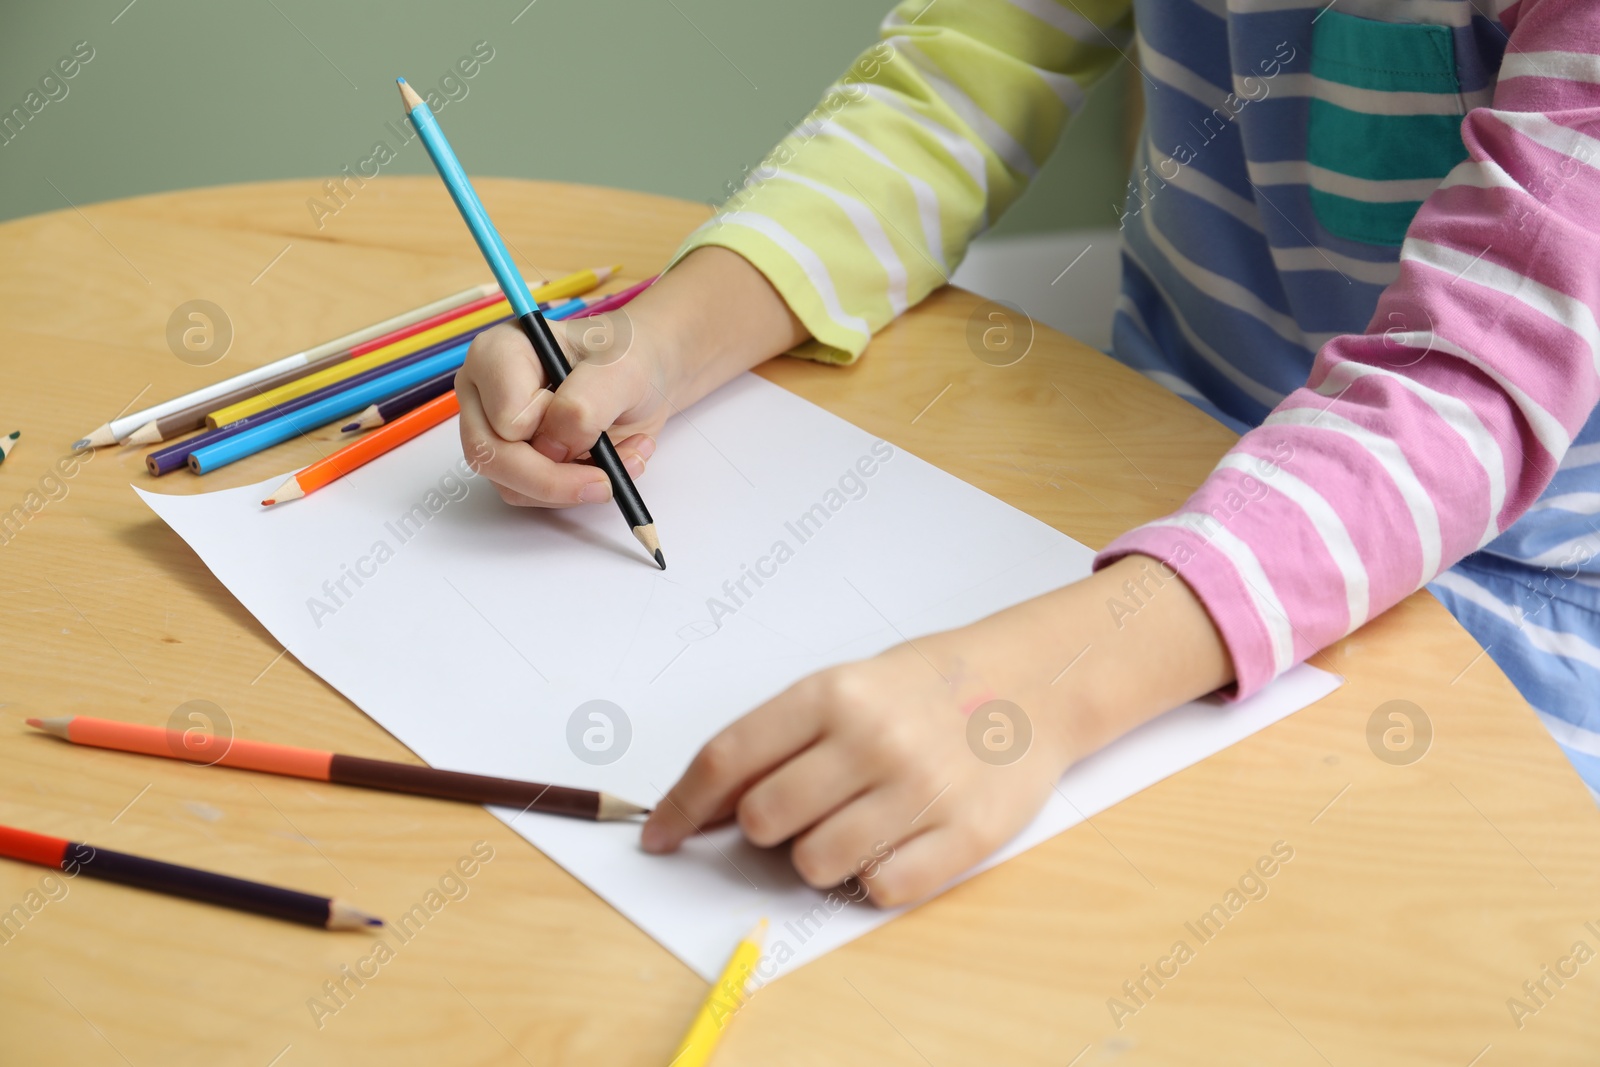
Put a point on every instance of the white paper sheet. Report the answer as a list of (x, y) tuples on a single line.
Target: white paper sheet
[(472, 631)]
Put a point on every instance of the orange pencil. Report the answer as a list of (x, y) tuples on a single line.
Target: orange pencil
[(366, 450)]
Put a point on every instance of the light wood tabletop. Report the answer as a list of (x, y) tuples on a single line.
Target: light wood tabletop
[(1419, 895)]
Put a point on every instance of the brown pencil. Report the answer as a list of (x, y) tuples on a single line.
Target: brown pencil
[(295, 762)]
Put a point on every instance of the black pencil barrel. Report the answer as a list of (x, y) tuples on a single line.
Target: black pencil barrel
[(602, 452), (195, 884)]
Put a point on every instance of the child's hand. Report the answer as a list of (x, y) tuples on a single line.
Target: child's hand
[(864, 756), (910, 751), (529, 441)]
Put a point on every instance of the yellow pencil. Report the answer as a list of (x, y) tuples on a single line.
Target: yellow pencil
[(727, 996), (570, 285)]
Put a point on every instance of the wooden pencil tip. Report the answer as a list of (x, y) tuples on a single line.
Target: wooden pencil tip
[(60, 725), (661, 561), (408, 95), (148, 434), (342, 916), (289, 490), (614, 808), (36, 723), (99, 437), (350, 427)]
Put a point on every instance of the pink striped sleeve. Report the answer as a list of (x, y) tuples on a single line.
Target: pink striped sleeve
[(1417, 442)]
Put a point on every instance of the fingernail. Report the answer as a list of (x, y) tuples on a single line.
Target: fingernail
[(647, 447), (551, 449), (635, 466), (595, 492)]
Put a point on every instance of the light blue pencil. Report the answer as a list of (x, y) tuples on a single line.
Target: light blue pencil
[(229, 449), (556, 368)]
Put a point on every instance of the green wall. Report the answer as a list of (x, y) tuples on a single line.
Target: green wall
[(667, 96)]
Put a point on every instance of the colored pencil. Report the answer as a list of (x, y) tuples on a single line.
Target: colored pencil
[(417, 395), (331, 468), (342, 404), (7, 443), (725, 998), (533, 324), (351, 367), (75, 858), (292, 761), (175, 456), (119, 428), (618, 299), (576, 283), (193, 417), (386, 411)]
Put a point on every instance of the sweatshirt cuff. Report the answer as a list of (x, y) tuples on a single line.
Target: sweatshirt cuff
[(1180, 552), (833, 342)]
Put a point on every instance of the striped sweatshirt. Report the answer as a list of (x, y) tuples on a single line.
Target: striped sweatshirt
[(1363, 232)]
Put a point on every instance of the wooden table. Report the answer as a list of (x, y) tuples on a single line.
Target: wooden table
[(1419, 898)]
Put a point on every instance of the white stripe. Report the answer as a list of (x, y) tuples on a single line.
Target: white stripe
[(1166, 69), (1568, 66), (927, 200), (994, 136), (1303, 172), (965, 154), (1571, 735), (1246, 384), (1327, 524), (1388, 455), (1567, 312), (1581, 503), (1481, 174), (1051, 13), (1262, 596), (1311, 257), (1563, 140), (872, 234), (1581, 456), (1577, 553), (1432, 12), (1555, 642), (1551, 434), (1188, 177), (1454, 413), (1225, 290), (1365, 101), (816, 271)]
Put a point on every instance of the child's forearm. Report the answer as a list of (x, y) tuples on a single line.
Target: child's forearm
[(713, 316), (1086, 674)]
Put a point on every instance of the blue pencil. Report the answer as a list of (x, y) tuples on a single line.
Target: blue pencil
[(532, 322), (205, 460)]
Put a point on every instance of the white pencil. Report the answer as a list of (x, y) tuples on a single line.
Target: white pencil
[(120, 429)]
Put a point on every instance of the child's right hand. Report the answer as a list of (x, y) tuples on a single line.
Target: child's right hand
[(709, 318), (531, 442)]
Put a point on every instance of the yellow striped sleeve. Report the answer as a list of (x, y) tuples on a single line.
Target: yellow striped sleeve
[(869, 204)]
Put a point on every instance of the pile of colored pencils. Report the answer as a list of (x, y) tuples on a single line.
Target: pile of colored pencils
[(396, 377)]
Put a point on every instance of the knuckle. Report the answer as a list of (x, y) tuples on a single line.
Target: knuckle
[(758, 815), (813, 862), (718, 758)]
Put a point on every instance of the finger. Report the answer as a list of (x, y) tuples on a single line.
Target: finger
[(503, 367), (588, 403), (845, 842), (729, 762), (514, 466), (800, 794), (922, 865)]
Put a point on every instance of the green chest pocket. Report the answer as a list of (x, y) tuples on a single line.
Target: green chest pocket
[(1385, 123)]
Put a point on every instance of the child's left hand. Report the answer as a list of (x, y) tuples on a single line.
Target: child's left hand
[(860, 757), (875, 769)]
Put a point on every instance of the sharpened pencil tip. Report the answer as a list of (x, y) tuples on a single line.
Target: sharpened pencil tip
[(661, 561), (37, 724), (268, 503), (347, 427), (82, 442)]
